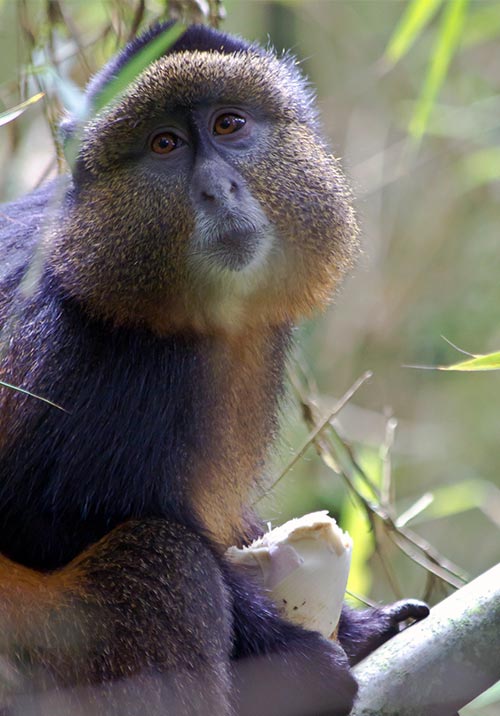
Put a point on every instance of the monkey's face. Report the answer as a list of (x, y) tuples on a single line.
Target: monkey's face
[(206, 199)]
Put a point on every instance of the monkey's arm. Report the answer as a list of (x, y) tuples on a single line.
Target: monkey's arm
[(279, 667), (146, 604), (362, 631)]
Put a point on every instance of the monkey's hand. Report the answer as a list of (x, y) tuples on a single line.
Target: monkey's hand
[(363, 631), (303, 566)]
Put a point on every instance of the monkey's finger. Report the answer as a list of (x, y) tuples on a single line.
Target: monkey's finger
[(406, 609)]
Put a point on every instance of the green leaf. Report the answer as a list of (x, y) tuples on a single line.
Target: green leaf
[(482, 25), (474, 362), (470, 122), (448, 39), (481, 167), (355, 521), (489, 361), (151, 52), (453, 499), (418, 14), (14, 112)]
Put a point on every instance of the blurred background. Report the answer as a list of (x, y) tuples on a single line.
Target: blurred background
[(409, 93)]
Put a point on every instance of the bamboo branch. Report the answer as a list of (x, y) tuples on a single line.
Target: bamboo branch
[(440, 664)]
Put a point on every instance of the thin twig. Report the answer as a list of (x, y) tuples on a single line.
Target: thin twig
[(32, 395), (311, 438), (408, 542)]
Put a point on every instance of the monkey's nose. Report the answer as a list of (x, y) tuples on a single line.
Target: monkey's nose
[(215, 186), (219, 192)]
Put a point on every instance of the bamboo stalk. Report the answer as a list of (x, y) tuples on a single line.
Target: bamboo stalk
[(441, 664)]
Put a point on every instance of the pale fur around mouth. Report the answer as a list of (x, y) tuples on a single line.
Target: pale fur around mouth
[(235, 258)]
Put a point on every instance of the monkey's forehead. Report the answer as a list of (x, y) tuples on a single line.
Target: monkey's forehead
[(249, 78)]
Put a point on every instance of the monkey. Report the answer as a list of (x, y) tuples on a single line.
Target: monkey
[(202, 218)]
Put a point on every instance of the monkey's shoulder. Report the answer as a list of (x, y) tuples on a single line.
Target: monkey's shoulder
[(21, 224), (22, 220)]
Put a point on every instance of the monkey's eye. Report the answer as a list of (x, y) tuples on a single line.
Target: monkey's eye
[(228, 123), (165, 142)]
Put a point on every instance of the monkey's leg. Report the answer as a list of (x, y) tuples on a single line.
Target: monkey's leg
[(280, 668), (140, 623), (364, 630)]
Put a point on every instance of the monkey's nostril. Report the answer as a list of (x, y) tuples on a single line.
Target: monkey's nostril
[(219, 193)]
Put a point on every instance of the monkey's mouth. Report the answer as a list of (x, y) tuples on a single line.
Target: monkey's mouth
[(234, 249), (231, 248)]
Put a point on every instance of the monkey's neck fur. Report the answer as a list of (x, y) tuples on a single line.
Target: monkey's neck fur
[(173, 421)]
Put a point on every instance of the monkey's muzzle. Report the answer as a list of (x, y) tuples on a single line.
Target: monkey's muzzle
[(235, 248)]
